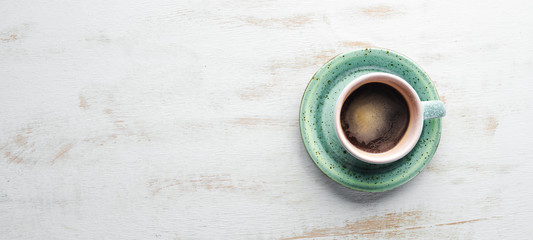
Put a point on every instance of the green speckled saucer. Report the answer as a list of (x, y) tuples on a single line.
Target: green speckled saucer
[(318, 131)]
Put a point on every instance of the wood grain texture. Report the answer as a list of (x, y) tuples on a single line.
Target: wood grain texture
[(179, 120)]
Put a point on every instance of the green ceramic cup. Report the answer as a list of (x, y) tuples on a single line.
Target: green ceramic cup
[(317, 120), (418, 112)]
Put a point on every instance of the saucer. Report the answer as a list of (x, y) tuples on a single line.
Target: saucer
[(318, 130)]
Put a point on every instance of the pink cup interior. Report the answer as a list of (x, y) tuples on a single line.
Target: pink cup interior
[(414, 129)]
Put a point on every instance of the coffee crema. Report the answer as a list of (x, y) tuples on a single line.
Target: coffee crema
[(375, 117)]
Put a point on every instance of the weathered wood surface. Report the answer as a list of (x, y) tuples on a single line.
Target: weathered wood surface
[(179, 120)]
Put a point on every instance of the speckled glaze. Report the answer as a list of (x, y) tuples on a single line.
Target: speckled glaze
[(318, 130)]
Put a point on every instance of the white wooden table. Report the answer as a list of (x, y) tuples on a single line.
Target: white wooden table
[(179, 120)]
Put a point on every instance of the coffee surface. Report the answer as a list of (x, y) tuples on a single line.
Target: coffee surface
[(375, 117)]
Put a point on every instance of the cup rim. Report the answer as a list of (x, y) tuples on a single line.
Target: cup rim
[(412, 134)]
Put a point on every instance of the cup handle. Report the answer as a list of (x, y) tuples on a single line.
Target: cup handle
[(433, 109)]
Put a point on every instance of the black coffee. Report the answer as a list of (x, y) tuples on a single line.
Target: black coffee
[(375, 117)]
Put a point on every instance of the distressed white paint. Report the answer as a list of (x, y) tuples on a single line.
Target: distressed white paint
[(179, 119)]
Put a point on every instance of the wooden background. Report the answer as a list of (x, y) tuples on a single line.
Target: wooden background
[(179, 119)]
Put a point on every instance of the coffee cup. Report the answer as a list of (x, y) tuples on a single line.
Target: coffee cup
[(379, 117)]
